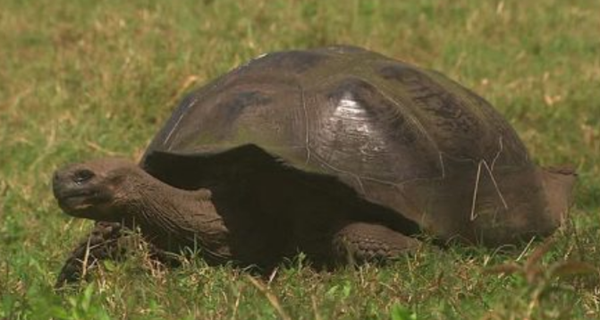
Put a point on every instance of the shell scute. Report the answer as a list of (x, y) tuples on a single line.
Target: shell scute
[(290, 61)]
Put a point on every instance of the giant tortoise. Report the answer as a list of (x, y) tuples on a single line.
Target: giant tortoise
[(340, 153)]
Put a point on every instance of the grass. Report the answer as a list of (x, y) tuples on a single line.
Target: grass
[(84, 79)]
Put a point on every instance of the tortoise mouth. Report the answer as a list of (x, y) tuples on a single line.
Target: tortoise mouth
[(79, 201)]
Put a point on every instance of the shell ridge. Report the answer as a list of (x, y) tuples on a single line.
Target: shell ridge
[(176, 124), (306, 124)]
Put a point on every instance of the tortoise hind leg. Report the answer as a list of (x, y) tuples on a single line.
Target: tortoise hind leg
[(364, 242)]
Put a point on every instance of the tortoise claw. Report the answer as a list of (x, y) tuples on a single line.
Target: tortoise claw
[(101, 244)]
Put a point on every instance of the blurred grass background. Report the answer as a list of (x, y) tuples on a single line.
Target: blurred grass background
[(85, 79)]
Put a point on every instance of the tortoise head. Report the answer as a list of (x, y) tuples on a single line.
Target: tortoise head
[(97, 189)]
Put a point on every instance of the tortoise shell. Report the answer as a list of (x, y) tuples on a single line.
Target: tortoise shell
[(402, 137)]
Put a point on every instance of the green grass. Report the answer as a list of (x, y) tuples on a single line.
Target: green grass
[(85, 79)]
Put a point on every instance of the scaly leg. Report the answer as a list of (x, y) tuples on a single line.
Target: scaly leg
[(367, 242), (101, 244), (107, 241)]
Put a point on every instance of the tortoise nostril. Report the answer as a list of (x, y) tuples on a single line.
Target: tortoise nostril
[(55, 178), (82, 176)]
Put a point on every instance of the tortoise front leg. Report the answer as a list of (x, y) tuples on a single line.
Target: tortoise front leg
[(107, 241), (367, 242), (101, 244)]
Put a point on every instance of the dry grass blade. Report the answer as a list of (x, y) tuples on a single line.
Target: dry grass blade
[(475, 190), (86, 258), (572, 268), (98, 148), (538, 253), (187, 83), (3, 191), (273, 275), (506, 269), (3, 188), (315, 308), (236, 306), (273, 300)]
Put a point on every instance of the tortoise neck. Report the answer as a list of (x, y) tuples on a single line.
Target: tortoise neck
[(173, 218)]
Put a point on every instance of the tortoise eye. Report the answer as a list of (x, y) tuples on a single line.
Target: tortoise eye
[(82, 176)]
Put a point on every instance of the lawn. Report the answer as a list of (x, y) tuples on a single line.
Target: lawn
[(86, 79)]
